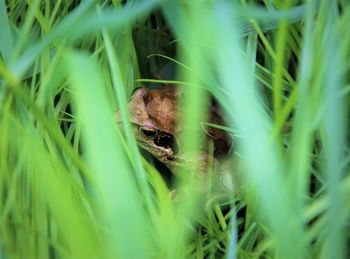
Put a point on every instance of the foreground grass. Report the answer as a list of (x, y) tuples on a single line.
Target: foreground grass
[(73, 186)]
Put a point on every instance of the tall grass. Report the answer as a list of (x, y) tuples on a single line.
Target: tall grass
[(73, 183)]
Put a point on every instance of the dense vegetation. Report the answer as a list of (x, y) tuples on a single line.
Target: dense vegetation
[(72, 185)]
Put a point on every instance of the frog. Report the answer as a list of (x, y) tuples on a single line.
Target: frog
[(155, 114)]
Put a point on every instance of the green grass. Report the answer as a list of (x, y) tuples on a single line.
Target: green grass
[(73, 183)]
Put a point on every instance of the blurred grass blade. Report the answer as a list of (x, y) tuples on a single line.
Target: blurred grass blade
[(115, 187), (119, 87), (281, 42), (302, 134), (83, 20), (259, 150), (195, 101), (335, 124), (233, 239), (6, 45), (39, 182), (29, 55)]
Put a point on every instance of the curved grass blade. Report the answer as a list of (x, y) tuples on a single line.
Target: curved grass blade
[(83, 20)]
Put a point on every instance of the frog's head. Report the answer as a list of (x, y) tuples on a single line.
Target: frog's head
[(153, 115)]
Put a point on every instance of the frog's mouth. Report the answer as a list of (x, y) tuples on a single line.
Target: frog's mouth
[(167, 141), (162, 145)]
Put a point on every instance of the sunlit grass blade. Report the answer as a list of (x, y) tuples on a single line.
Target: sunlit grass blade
[(333, 135), (120, 92), (194, 99), (260, 153), (302, 135), (116, 190), (281, 42)]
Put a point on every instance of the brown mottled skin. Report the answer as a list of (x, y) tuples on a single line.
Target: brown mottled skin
[(154, 108), (157, 110)]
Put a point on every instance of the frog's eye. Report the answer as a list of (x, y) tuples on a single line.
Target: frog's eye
[(166, 141), (148, 132)]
